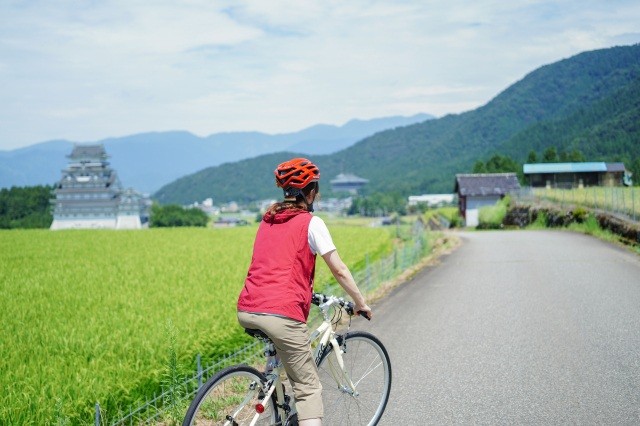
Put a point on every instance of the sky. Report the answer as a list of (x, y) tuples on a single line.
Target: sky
[(94, 69)]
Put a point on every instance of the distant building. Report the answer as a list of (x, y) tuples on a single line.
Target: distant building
[(432, 200), (334, 205), (347, 183), (227, 222), (89, 195), (478, 190), (576, 175)]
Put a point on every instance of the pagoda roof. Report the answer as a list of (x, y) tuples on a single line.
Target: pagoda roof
[(347, 178), (89, 152)]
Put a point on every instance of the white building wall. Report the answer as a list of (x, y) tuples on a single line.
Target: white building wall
[(83, 224), (473, 208), (128, 222)]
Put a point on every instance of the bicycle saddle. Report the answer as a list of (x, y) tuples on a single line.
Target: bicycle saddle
[(254, 332)]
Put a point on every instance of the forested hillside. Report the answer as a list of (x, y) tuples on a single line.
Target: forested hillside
[(589, 101), (609, 129)]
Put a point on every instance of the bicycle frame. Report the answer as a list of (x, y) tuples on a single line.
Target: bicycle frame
[(242, 394), (325, 335)]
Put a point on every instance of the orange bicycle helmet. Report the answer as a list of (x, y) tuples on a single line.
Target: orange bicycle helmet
[(296, 173)]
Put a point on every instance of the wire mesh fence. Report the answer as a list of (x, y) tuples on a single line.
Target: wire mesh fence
[(158, 408), (618, 201)]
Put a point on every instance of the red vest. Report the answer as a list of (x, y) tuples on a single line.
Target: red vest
[(280, 278)]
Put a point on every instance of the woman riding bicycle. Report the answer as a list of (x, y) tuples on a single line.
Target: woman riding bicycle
[(276, 297)]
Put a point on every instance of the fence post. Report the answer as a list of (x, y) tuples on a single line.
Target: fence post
[(97, 418), (395, 259), (404, 257), (613, 201), (199, 364), (368, 271)]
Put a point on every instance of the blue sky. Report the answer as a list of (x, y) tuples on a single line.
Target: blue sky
[(88, 70)]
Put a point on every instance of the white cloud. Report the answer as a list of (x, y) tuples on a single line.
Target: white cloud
[(90, 70)]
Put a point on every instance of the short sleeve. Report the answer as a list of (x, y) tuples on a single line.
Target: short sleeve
[(320, 239)]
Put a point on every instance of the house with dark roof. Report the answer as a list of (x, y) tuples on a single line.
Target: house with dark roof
[(485, 189), (576, 175)]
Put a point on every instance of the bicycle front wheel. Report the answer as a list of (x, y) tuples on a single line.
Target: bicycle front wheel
[(367, 366), (230, 398)]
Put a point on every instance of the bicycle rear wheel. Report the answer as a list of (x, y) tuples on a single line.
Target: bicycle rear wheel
[(230, 398), (367, 364)]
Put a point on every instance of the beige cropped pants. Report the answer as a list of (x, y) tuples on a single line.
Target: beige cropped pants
[(291, 339)]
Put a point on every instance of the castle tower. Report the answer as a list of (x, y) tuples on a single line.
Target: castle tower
[(89, 195)]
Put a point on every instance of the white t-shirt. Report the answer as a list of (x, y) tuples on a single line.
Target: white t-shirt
[(319, 237)]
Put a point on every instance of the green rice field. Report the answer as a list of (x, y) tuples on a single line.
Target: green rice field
[(85, 314)]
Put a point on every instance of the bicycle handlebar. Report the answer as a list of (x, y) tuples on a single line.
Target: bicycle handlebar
[(319, 298)]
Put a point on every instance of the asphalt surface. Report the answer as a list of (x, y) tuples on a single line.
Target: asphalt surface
[(519, 327)]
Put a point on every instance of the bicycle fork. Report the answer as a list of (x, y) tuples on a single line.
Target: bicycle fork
[(345, 385)]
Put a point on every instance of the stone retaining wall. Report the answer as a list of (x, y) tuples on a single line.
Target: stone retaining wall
[(523, 215)]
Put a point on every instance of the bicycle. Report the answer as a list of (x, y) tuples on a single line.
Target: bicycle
[(354, 368)]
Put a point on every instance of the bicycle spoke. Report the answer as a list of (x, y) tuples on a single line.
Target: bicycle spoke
[(230, 398), (367, 372), (366, 362)]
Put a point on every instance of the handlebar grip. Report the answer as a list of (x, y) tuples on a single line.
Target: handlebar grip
[(365, 315)]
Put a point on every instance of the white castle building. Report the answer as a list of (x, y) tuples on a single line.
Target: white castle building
[(89, 195)]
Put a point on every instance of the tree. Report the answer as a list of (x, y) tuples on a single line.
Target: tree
[(379, 204), (635, 169), (174, 215), (479, 167), (26, 207), (497, 164), (502, 164), (532, 157), (550, 155), (576, 156)]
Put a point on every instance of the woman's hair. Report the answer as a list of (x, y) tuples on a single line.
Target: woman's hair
[(298, 203)]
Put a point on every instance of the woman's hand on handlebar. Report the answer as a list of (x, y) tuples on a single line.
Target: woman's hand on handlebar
[(364, 310)]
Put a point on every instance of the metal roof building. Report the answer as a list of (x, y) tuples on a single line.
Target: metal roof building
[(575, 175)]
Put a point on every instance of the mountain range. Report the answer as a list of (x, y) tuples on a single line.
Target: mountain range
[(148, 161), (589, 102)]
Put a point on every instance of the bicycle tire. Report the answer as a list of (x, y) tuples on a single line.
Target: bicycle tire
[(236, 390), (367, 363)]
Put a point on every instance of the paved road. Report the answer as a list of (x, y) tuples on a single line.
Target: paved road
[(523, 327)]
